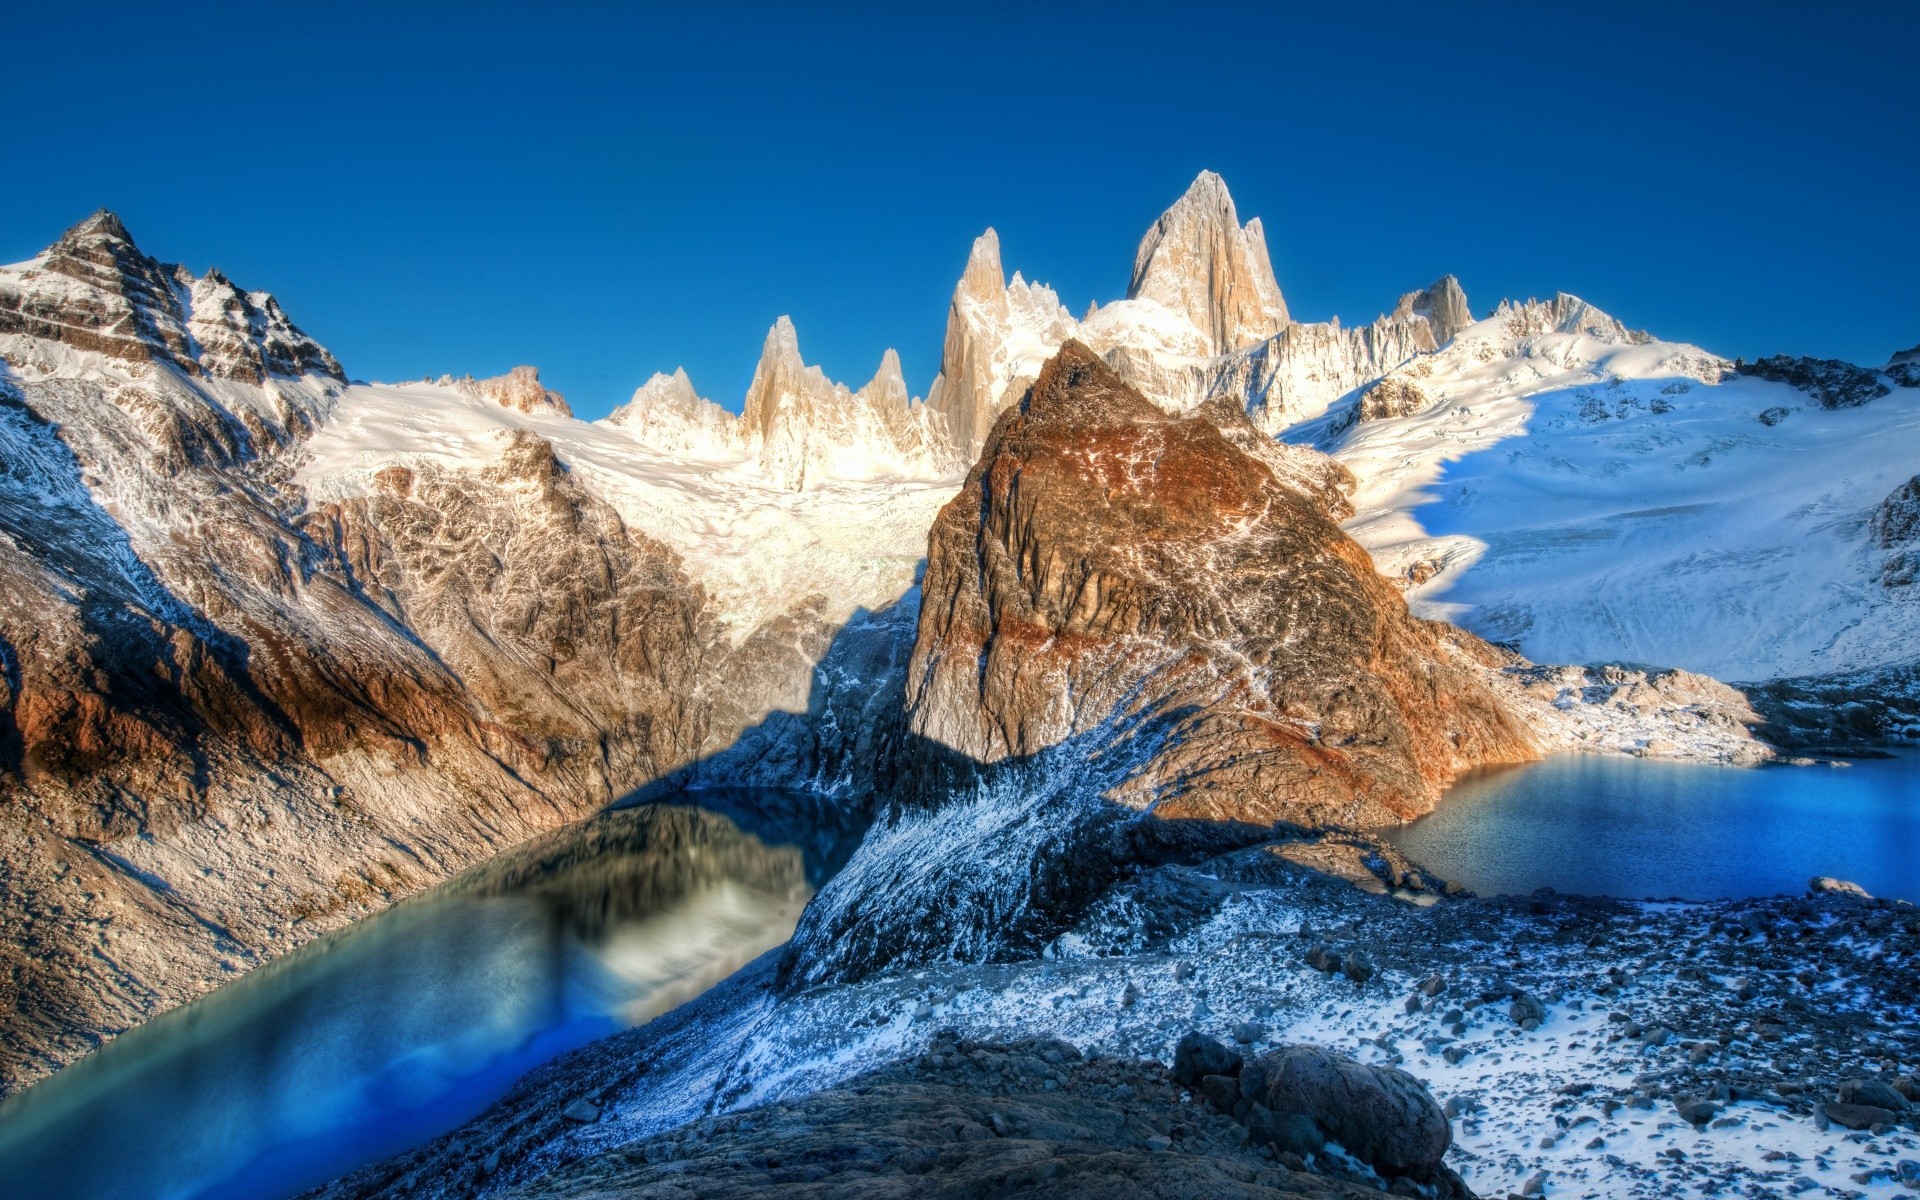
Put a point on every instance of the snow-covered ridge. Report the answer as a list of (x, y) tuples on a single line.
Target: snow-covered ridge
[(1589, 493)]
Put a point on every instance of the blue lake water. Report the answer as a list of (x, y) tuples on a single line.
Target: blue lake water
[(1618, 826), (410, 1022)]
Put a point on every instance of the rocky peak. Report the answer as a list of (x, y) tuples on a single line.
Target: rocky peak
[(1443, 305), (1110, 567), (1198, 260), (668, 415), (887, 390), (782, 381), (984, 281), (520, 389), (95, 290)]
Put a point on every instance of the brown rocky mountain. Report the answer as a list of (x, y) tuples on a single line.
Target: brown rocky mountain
[(1108, 563)]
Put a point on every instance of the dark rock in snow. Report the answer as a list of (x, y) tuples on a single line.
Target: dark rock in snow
[(1382, 1115)]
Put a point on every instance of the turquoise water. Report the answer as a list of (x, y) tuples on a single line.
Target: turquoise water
[(1617, 826), (402, 1026)]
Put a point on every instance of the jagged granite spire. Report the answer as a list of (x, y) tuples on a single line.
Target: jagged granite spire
[(1200, 261)]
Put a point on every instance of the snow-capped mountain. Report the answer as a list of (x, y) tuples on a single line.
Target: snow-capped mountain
[(292, 647), (280, 647)]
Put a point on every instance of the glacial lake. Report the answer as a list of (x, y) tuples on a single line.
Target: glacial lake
[(1612, 825), (402, 1026)]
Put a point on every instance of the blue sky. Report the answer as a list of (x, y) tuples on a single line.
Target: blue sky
[(606, 192)]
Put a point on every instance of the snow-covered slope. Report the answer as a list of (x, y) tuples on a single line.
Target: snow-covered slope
[(1592, 494)]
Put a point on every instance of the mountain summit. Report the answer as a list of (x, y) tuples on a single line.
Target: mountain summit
[(94, 290), (1200, 261)]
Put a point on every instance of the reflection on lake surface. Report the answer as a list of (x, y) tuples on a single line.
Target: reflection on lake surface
[(386, 1033), (1618, 826)]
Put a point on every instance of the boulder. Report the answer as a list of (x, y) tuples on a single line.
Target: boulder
[(1381, 1115), (1873, 1093), (1859, 1116), (1828, 885)]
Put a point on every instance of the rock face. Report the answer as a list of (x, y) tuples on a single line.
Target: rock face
[(1108, 566), (1198, 261), (998, 336), (1831, 382)]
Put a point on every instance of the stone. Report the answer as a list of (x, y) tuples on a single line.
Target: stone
[(1198, 1056), (1357, 967), (582, 1111), (1248, 1032), (1696, 1111), (1223, 1090), (1287, 1133), (1526, 1008)]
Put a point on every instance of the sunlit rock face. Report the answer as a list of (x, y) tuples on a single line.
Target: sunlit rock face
[(1199, 261), (1108, 566)]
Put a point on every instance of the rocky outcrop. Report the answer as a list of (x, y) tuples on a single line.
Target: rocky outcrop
[(521, 390), (1831, 382), (1895, 526), (94, 290), (1198, 261), (1108, 566)]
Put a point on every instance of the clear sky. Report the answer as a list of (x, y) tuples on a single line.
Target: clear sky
[(610, 191)]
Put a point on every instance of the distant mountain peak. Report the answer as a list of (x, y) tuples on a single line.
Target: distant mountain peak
[(1198, 260), (104, 223)]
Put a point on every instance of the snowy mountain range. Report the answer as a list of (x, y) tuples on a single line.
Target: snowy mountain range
[(281, 647)]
